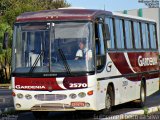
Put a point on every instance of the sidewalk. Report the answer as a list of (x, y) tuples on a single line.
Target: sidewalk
[(5, 86), (152, 106)]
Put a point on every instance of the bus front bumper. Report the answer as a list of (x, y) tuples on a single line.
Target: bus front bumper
[(40, 100)]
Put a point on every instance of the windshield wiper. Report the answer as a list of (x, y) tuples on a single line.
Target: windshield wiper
[(64, 61), (35, 62)]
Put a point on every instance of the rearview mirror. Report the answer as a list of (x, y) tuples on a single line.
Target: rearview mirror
[(107, 37), (5, 40)]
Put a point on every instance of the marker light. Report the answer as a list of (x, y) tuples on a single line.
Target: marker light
[(13, 94), (90, 92), (19, 95)]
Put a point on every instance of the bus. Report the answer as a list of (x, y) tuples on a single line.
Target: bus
[(82, 59)]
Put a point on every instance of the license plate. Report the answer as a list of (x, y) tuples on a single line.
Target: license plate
[(77, 104)]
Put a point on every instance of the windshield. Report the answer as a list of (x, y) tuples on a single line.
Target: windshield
[(53, 47)]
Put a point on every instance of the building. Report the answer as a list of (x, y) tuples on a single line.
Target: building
[(150, 13)]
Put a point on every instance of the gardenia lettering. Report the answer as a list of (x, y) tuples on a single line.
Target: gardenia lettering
[(147, 61), (29, 87)]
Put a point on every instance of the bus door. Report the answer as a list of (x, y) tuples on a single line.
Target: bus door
[(101, 37)]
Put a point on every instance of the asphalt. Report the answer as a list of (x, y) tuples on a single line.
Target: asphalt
[(6, 101), (5, 91)]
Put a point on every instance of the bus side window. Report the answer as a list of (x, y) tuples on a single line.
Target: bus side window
[(145, 36), (137, 35), (128, 34), (111, 42), (153, 40), (100, 46), (119, 33)]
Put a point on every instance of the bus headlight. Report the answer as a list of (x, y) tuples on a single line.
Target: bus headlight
[(73, 96), (28, 97), (19, 95), (82, 94)]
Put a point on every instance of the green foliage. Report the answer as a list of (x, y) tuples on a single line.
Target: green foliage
[(5, 66), (10, 9), (1, 50), (145, 111), (4, 27)]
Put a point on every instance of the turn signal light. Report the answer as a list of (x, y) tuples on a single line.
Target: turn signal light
[(90, 92)]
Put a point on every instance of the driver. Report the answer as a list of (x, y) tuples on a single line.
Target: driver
[(83, 52)]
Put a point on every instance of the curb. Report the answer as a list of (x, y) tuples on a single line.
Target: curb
[(5, 87), (135, 113)]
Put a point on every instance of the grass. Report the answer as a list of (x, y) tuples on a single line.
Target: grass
[(10, 112), (145, 111)]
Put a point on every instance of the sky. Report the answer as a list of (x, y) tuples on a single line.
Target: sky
[(110, 5)]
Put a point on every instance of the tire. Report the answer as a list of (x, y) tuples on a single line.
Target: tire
[(108, 101), (40, 115), (142, 99)]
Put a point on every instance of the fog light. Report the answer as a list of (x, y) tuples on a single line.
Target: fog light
[(87, 105), (28, 97), (73, 96), (82, 94), (19, 95), (18, 105)]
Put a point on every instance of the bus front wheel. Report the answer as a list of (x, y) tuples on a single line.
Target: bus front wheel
[(108, 101), (142, 99)]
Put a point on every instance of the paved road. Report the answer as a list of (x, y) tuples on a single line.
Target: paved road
[(5, 99), (5, 92), (120, 109)]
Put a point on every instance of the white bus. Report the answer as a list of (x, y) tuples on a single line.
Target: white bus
[(81, 59)]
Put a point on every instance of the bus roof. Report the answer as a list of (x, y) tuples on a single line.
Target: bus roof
[(61, 14), (70, 14), (132, 17)]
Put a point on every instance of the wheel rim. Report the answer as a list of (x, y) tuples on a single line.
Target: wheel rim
[(142, 94), (108, 101)]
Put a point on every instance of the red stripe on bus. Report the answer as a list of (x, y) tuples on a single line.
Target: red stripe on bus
[(36, 84), (121, 64), (133, 57)]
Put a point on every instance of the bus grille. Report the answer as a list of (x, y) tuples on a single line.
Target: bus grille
[(50, 97)]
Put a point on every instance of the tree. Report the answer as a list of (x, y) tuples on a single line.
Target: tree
[(4, 27), (12, 8), (9, 10)]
